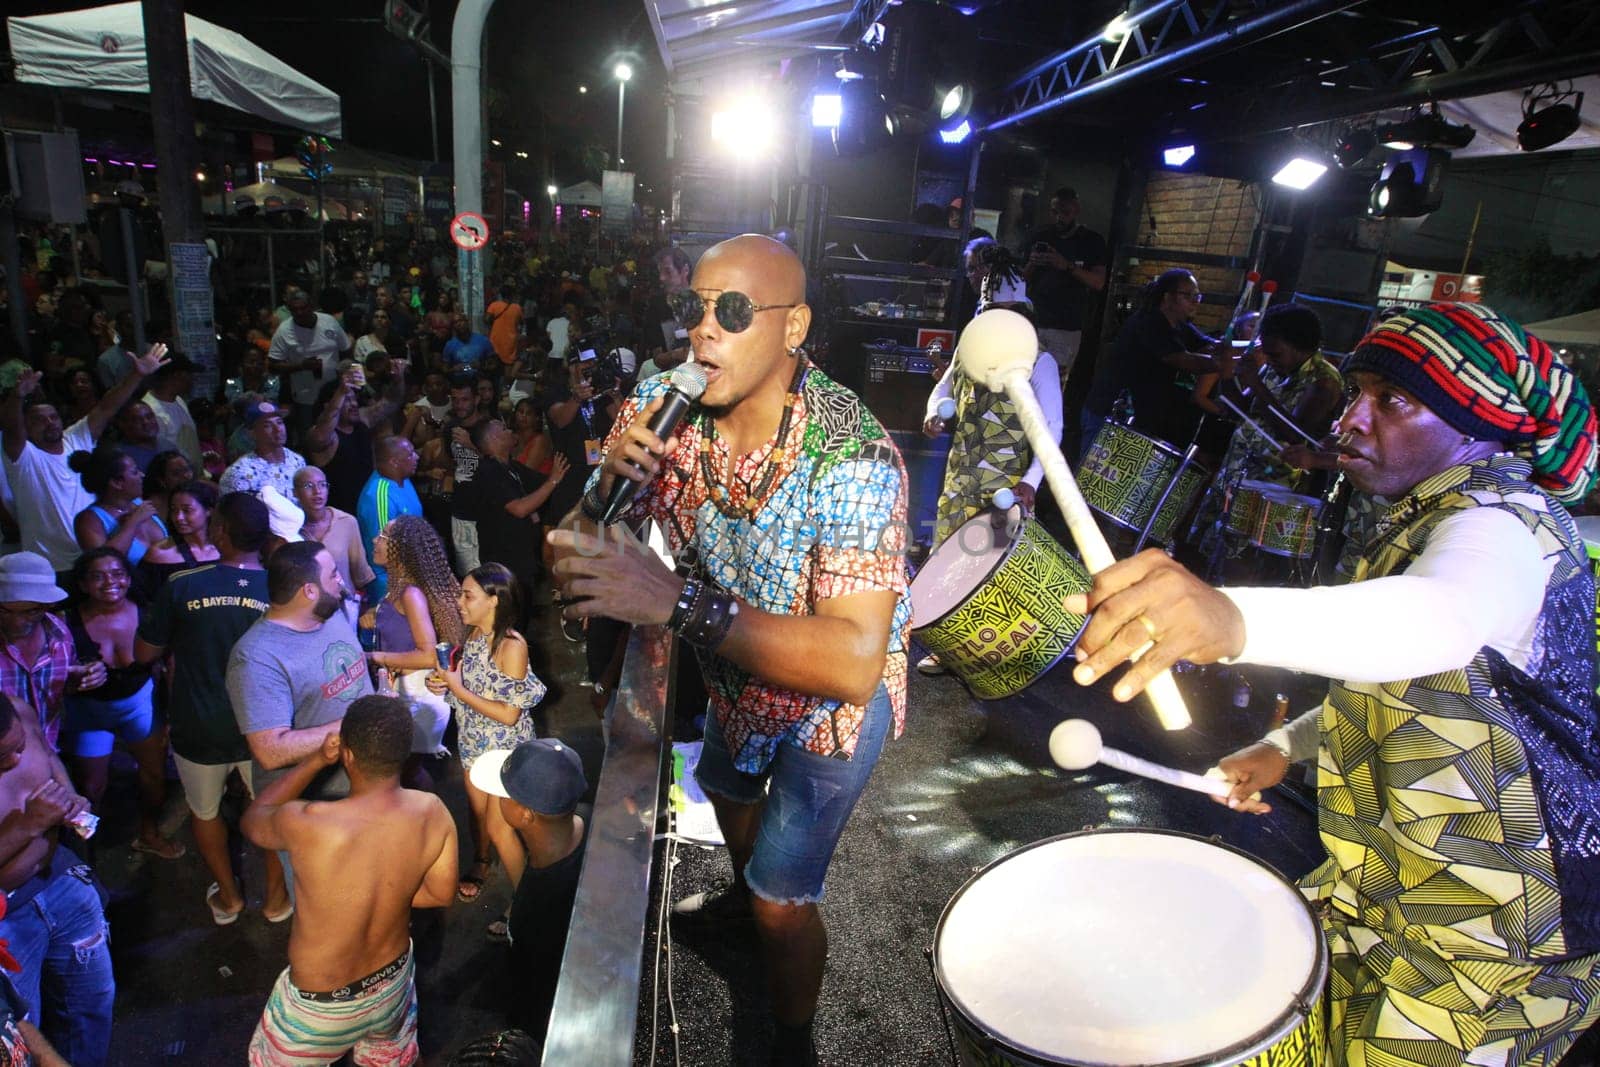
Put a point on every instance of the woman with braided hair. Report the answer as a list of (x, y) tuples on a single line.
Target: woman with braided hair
[(418, 612), (988, 450)]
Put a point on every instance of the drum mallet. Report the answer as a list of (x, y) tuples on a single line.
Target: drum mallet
[(1250, 281), (1007, 515), (1268, 287), (998, 349), (1075, 745)]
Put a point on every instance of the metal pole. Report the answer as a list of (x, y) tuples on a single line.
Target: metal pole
[(466, 104), (1472, 239), (130, 262), (433, 110), (272, 274), (11, 253), (622, 88)]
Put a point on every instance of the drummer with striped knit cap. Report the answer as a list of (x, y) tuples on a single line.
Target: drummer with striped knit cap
[(1458, 769), (988, 450)]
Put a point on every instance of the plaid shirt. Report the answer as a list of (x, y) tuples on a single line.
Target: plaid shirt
[(41, 685), (833, 525)]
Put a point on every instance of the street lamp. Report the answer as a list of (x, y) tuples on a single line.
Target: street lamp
[(623, 73)]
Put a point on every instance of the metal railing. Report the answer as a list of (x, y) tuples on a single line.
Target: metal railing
[(597, 1000)]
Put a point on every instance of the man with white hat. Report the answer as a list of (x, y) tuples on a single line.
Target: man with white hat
[(539, 784), (38, 664), (988, 450)]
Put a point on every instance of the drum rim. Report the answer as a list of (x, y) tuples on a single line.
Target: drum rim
[(999, 561), (1298, 1011), (1161, 445)]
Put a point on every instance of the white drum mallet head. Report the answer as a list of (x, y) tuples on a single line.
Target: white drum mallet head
[(1075, 743), (947, 409), (995, 344)]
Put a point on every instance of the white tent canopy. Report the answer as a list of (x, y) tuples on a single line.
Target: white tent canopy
[(103, 48), (1580, 329), (583, 194)]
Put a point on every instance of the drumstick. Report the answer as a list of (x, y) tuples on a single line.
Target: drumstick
[(1250, 281), (1252, 423), (998, 349), (1075, 744), (1268, 287)]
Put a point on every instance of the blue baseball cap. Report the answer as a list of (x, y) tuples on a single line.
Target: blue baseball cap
[(544, 775)]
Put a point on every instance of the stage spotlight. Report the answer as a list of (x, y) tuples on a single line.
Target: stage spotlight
[(1423, 130), (1299, 173), (957, 135), (891, 123), (1178, 155), (826, 109), (1411, 185), (955, 103), (745, 125), (1354, 146), (1551, 124), (864, 122)]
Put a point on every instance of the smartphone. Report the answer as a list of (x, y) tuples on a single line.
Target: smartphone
[(585, 355)]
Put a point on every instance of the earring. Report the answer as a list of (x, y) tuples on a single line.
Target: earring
[(795, 351)]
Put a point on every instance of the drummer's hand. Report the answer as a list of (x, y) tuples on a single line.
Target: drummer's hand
[(933, 427), (1187, 619), (1250, 771), (1025, 497)]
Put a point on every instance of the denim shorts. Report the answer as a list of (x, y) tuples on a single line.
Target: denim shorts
[(809, 799)]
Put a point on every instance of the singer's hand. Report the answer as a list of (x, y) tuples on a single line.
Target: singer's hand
[(636, 455), (1251, 770), (610, 572), (1151, 600), (1025, 497)]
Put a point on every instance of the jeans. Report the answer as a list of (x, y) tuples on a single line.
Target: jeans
[(806, 800), (63, 942)]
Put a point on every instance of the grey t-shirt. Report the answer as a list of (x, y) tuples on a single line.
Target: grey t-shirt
[(283, 677)]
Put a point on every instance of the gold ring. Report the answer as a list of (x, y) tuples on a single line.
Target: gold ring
[(1149, 627)]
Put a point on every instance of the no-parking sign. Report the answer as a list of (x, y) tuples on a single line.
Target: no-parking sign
[(469, 231)]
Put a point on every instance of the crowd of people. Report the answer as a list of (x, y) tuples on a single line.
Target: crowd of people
[(308, 586), (314, 583)]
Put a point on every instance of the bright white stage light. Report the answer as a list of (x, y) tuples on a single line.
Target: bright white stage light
[(1300, 173), (746, 125), (957, 135), (827, 109), (1177, 157)]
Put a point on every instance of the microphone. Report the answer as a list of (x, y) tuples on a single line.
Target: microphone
[(686, 383)]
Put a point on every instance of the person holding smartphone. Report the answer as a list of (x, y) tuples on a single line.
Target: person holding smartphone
[(1066, 264)]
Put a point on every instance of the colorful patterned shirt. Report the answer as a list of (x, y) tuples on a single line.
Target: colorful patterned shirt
[(833, 524), (42, 685)]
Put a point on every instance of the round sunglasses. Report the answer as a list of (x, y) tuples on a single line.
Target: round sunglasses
[(734, 310)]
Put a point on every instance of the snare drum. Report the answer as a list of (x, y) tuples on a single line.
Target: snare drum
[(1286, 524), (1244, 510), (1132, 947), (1124, 474), (991, 610)]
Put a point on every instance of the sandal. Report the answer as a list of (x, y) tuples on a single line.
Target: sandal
[(221, 916), (472, 883), (282, 916), (162, 848)]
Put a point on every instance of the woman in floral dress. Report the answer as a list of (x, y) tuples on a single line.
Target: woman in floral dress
[(493, 691)]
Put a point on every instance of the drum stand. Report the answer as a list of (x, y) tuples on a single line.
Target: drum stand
[(1218, 555), (1155, 512)]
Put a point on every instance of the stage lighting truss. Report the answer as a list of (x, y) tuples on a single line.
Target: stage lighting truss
[(1425, 129), (1547, 117)]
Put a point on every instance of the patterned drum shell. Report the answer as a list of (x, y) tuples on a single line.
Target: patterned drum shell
[(1286, 524), (1244, 510), (1115, 947), (1124, 474), (991, 611)]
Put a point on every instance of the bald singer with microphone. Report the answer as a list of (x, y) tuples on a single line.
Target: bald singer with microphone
[(785, 500)]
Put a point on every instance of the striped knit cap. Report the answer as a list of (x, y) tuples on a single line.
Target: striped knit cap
[(1487, 377)]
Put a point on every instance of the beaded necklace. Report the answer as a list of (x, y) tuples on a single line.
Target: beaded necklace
[(769, 468)]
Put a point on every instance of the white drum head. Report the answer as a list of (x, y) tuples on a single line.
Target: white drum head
[(957, 566), (1130, 947)]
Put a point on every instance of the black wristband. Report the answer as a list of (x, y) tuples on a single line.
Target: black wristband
[(685, 604), (592, 505), (709, 621)]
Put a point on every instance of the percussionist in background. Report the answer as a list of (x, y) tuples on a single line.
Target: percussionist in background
[(1458, 772), (988, 450)]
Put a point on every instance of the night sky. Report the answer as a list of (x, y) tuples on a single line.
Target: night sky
[(539, 53)]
